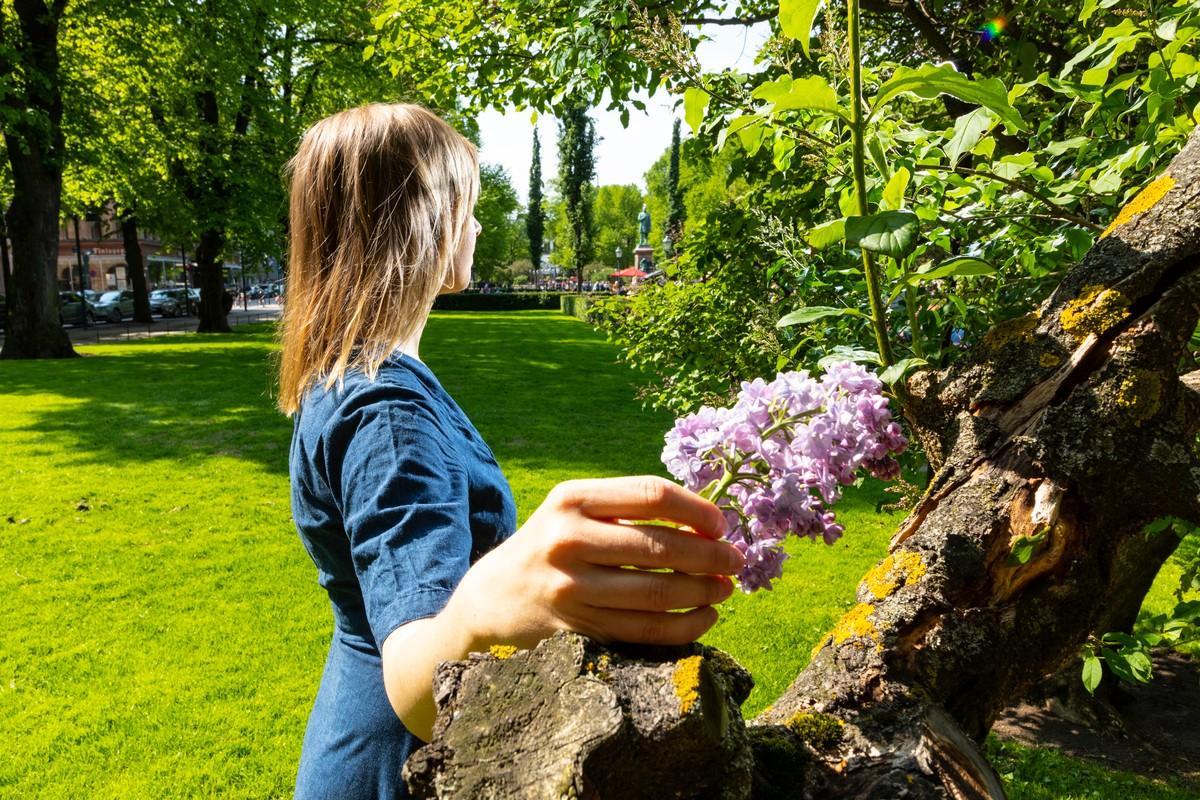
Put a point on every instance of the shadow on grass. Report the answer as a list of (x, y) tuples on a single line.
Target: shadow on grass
[(544, 390)]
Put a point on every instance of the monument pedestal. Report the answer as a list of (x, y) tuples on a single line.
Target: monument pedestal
[(643, 251)]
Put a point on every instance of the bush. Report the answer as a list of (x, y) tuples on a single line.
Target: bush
[(500, 301)]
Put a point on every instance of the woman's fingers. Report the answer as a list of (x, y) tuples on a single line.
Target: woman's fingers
[(642, 497), (636, 590), (655, 627), (656, 547)]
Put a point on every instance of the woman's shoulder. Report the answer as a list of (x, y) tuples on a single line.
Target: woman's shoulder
[(397, 394)]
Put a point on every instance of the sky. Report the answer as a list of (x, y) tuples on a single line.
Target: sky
[(622, 154)]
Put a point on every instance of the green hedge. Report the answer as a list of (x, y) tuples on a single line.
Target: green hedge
[(501, 301), (575, 304)]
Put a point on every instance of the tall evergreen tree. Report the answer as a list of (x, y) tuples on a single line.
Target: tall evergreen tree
[(576, 169), (535, 219), (676, 212)]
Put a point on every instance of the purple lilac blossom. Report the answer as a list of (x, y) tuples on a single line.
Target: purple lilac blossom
[(793, 443)]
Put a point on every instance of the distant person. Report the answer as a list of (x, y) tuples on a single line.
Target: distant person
[(408, 518)]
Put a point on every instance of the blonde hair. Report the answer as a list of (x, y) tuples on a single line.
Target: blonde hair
[(380, 198)]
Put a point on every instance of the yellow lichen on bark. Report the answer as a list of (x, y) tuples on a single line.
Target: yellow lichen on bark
[(1019, 329), (1145, 200), (686, 680), (898, 569), (1095, 310), (1049, 360), (1138, 394)]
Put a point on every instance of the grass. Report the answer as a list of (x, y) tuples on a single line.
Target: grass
[(163, 634)]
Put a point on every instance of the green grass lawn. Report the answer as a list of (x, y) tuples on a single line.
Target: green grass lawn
[(162, 633)]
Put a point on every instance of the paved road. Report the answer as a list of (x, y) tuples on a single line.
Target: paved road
[(162, 326)]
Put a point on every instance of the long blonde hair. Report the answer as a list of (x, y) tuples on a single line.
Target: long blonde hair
[(380, 197)]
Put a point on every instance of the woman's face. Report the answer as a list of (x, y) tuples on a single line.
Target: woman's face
[(460, 277)]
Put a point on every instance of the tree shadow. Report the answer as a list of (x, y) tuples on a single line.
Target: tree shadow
[(543, 389)]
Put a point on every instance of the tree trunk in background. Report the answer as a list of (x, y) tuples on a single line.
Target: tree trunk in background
[(1061, 435), (213, 318), (34, 141), (136, 268)]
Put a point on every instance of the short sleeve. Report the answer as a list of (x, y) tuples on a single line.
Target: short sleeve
[(403, 497)]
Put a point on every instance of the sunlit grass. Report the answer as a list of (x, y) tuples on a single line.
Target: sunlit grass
[(162, 632)]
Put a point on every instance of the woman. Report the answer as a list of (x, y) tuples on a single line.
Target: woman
[(397, 498)]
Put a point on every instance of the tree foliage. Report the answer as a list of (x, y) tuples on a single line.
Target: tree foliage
[(577, 169), (535, 215)]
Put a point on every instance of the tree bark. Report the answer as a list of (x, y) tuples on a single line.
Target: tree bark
[(1061, 435), (213, 315), (34, 141), (136, 268)]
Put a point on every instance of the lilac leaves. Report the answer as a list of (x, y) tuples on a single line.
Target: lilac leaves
[(776, 461)]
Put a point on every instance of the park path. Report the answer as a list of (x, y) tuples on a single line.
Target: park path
[(163, 326)]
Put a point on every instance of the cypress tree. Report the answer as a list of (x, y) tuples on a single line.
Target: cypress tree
[(576, 169), (535, 219), (676, 213)]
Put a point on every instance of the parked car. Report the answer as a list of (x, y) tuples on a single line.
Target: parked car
[(114, 306), (69, 309), (164, 303)]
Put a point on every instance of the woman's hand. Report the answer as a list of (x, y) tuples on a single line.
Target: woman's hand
[(565, 568)]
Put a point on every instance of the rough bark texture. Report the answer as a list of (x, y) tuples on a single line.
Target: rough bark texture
[(1060, 437), (34, 142), (136, 267)]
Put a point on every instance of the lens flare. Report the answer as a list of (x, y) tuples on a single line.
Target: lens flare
[(992, 29)]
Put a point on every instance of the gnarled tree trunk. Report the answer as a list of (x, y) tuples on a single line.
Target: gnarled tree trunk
[(1060, 437)]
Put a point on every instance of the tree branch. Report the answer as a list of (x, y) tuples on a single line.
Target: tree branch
[(1078, 220)]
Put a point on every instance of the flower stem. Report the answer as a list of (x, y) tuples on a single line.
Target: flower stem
[(857, 128)]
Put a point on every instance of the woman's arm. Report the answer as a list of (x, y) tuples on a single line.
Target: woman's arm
[(566, 569)]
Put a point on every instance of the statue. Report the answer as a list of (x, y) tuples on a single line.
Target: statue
[(644, 226)]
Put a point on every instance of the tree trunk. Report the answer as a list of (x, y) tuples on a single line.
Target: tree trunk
[(136, 268), (1061, 435), (34, 140), (213, 315)]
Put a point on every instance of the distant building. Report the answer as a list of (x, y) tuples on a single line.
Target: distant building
[(105, 264)]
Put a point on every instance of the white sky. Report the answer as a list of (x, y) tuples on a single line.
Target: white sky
[(622, 154)]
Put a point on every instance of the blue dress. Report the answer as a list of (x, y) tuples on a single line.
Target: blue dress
[(395, 494)]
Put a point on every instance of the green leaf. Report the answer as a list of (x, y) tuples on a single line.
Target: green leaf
[(827, 233), (959, 267), (796, 19), (893, 193), (967, 131), (1093, 673), (812, 92), (892, 233), (844, 353), (1023, 548), (901, 368), (930, 80), (694, 102), (804, 316)]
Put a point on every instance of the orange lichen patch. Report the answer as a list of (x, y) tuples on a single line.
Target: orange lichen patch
[(502, 651), (1139, 395), (1049, 360), (898, 569), (1019, 329), (686, 680), (1145, 200), (1095, 310)]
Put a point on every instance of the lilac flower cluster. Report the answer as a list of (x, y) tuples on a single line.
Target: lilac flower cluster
[(776, 461)]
